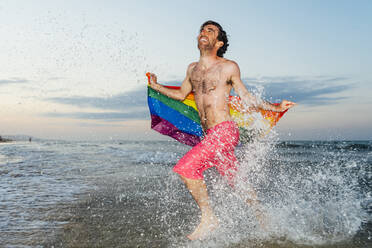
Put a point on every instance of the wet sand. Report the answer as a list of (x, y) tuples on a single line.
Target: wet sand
[(120, 216)]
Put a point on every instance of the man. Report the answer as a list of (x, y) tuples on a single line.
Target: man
[(211, 79)]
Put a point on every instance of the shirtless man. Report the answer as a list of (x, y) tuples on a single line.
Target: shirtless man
[(211, 79)]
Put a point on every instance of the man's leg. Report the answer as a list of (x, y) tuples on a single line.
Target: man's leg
[(208, 220), (255, 204), (227, 168)]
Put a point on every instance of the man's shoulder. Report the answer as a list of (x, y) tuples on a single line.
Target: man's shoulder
[(229, 62), (192, 65), (230, 65)]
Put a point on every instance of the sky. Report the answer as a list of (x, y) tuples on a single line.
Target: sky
[(75, 70)]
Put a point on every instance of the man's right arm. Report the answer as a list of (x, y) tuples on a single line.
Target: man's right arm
[(177, 94), (251, 100)]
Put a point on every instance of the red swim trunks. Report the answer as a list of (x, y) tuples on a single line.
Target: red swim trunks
[(216, 149)]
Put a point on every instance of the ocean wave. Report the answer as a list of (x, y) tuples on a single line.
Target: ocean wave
[(334, 145)]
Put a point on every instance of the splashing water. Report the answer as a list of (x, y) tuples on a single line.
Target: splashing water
[(312, 199), (310, 194)]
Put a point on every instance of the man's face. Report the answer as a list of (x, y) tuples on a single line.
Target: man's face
[(208, 37)]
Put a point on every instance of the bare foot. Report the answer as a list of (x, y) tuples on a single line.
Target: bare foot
[(206, 226), (260, 215), (262, 220)]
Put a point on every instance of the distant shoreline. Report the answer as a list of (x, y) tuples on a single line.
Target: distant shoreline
[(3, 140)]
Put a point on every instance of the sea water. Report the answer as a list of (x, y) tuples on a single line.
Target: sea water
[(123, 194)]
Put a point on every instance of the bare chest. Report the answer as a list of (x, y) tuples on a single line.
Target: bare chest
[(206, 81)]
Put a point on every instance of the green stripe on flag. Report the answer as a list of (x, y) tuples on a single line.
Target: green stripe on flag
[(184, 109)]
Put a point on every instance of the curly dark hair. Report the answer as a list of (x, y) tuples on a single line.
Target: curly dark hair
[(222, 36)]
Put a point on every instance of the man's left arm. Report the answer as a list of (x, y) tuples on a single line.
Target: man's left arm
[(249, 99)]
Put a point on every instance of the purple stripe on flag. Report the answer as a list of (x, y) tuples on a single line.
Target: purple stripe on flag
[(165, 127)]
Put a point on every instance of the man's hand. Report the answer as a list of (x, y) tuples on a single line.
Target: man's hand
[(177, 94), (153, 80), (284, 105)]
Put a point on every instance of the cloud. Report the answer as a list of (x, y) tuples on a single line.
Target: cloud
[(13, 81), (307, 91), (106, 116), (131, 99), (133, 104), (125, 106)]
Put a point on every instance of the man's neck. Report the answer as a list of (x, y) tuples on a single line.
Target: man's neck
[(208, 58)]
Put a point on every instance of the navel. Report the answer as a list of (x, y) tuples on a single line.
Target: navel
[(211, 88)]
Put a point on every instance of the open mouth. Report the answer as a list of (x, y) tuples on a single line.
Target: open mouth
[(203, 39)]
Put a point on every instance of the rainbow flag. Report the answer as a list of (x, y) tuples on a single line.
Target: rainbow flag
[(180, 120)]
